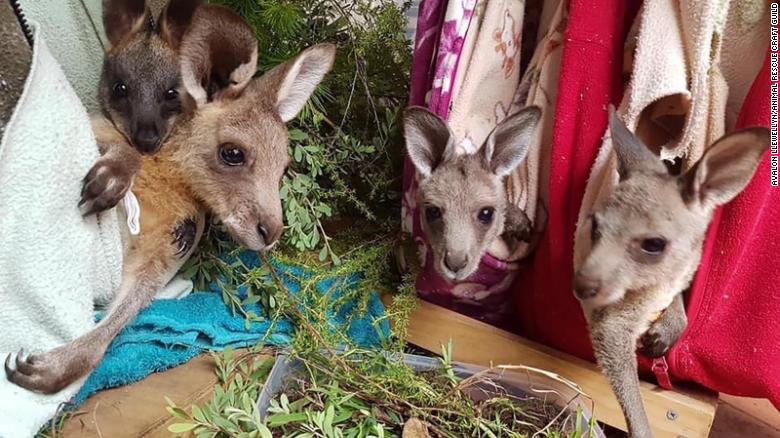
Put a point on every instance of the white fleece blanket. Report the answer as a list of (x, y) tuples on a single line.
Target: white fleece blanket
[(53, 263)]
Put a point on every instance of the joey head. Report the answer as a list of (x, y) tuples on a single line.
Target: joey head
[(140, 93), (462, 197), (645, 246), (140, 87)]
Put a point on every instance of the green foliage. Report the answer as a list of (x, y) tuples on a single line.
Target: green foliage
[(231, 411), (208, 265), (349, 391), (345, 144)]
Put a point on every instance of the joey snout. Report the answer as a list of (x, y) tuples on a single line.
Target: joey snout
[(146, 136), (455, 261), (255, 230), (585, 287), (596, 285), (269, 230), (262, 232)]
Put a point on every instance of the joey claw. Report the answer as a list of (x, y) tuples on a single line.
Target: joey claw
[(654, 345), (184, 236), (25, 363), (8, 370), (665, 331)]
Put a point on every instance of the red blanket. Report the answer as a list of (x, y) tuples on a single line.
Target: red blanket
[(732, 343), (590, 80)]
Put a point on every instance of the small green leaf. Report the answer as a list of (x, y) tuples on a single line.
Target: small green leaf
[(297, 134), (177, 412), (198, 414), (277, 420), (181, 427)]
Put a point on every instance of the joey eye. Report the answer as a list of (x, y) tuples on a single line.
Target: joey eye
[(119, 89), (231, 154), (171, 94), (485, 215), (432, 214), (653, 246)]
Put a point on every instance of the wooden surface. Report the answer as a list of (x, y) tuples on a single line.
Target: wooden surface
[(748, 417), (680, 413), (138, 410)]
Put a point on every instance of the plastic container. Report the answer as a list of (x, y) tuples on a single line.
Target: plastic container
[(521, 383)]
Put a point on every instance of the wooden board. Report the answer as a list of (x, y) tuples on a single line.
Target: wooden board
[(753, 410), (138, 409), (681, 413)]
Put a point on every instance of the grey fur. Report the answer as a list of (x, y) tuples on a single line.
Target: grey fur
[(625, 282), (462, 188)]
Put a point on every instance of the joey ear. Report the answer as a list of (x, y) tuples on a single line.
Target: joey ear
[(174, 20), (429, 141), (631, 153), (726, 168), (218, 54), (508, 144), (294, 81), (122, 17)]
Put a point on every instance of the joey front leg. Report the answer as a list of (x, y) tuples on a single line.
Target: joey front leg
[(109, 179), (112, 175), (614, 343), (52, 371), (152, 262), (664, 332), (517, 226)]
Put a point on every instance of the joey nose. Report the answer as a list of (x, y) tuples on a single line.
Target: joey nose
[(146, 139), (269, 232), (585, 288), (455, 262)]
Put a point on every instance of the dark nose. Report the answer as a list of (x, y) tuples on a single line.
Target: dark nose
[(455, 262), (146, 139), (269, 233), (585, 288)]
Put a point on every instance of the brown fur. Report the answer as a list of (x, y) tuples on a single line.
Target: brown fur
[(456, 191), (144, 59), (186, 179), (628, 277)]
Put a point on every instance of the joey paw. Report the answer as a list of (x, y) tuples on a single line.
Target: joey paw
[(517, 226), (184, 236), (656, 343), (45, 373), (521, 235), (105, 185)]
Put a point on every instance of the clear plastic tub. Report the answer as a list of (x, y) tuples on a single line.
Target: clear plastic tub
[(513, 381)]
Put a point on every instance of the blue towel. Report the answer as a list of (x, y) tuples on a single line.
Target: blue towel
[(171, 332)]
